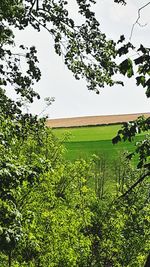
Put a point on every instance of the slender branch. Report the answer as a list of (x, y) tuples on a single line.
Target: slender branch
[(135, 184), (32, 5), (137, 20), (45, 27)]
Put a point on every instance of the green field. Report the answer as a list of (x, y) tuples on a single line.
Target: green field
[(92, 133), (84, 141)]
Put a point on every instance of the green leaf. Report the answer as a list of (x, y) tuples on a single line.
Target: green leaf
[(126, 68)]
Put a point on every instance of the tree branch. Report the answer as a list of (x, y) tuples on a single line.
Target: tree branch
[(32, 5), (135, 184), (137, 20)]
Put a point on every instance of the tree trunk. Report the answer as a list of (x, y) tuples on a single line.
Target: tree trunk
[(147, 264), (9, 259)]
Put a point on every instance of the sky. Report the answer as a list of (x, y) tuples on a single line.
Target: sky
[(72, 98)]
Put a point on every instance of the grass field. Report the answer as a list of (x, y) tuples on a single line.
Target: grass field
[(91, 133), (85, 141)]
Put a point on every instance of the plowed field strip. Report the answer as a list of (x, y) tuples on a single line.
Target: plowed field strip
[(92, 120)]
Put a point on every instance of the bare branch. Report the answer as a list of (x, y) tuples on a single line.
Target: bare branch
[(32, 5), (137, 20)]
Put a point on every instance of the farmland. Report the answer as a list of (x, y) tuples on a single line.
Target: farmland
[(82, 142)]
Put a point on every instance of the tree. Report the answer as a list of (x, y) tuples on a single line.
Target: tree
[(17, 170), (28, 164), (44, 200)]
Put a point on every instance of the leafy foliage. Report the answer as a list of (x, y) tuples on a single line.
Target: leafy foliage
[(41, 197), (86, 50), (128, 132), (141, 63), (49, 215)]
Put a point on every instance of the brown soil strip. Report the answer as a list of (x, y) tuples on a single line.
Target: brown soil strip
[(92, 120)]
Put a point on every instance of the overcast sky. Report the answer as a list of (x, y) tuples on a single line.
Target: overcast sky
[(71, 96)]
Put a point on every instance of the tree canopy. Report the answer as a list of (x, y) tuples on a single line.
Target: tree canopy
[(86, 50)]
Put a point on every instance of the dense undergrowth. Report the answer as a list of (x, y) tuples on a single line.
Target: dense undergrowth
[(51, 214)]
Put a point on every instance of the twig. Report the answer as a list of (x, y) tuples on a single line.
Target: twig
[(137, 20)]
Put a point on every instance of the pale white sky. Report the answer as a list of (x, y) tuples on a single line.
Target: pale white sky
[(71, 96)]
